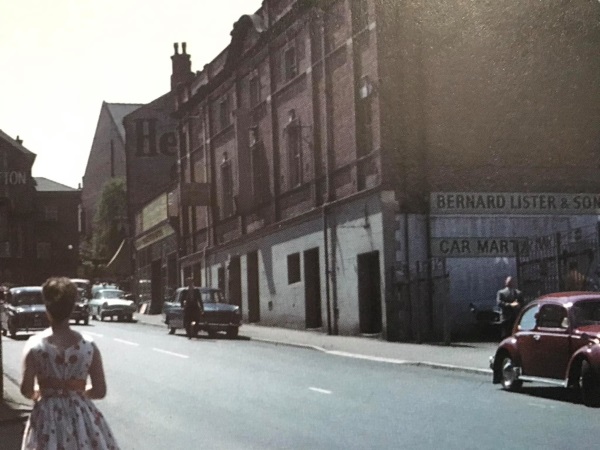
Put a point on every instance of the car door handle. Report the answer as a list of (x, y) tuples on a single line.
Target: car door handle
[(536, 337)]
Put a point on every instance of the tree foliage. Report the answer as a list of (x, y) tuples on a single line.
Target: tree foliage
[(110, 220)]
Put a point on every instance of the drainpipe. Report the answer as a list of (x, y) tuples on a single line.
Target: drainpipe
[(326, 250), (331, 328)]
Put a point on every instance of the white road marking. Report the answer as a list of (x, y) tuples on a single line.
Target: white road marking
[(319, 390), (369, 358), (126, 342), (94, 334), (170, 353)]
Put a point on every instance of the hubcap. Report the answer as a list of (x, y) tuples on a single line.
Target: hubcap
[(508, 372)]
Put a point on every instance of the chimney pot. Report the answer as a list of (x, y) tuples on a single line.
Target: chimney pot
[(183, 46), (176, 48), (19, 140)]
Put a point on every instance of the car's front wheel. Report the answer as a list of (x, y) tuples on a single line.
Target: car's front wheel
[(509, 378), (589, 385)]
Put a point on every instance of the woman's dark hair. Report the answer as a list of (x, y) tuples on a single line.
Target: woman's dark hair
[(59, 294)]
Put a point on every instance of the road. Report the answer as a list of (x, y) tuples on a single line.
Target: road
[(168, 392)]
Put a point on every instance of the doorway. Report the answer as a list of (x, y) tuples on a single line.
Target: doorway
[(156, 288), (369, 293), (235, 282), (312, 288), (253, 293)]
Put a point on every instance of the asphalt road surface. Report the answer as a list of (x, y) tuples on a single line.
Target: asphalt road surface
[(168, 392)]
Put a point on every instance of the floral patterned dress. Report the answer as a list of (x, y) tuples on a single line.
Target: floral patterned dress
[(64, 418)]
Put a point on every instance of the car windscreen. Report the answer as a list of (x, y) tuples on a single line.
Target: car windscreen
[(27, 298), (110, 293), (210, 296), (586, 313), (213, 297)]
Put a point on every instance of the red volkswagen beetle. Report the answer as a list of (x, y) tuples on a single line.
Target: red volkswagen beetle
[(556, 340)]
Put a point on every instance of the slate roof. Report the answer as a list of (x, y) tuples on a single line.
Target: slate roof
[(14, 143), (46, 185), (118, 111)]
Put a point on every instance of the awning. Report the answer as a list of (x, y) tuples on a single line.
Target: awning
[(120, 263)]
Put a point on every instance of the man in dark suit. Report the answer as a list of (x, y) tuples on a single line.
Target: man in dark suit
[(192, 308), (510, 300)]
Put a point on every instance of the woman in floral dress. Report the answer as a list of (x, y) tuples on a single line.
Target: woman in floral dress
[(60, 359)]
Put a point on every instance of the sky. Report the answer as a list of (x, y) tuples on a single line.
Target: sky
[(62, 58)]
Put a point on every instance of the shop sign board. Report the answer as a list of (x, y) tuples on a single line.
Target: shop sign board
[(513, 203), (472, 247)]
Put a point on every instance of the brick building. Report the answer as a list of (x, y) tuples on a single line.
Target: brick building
[(57, 229), (332, 156), (38, 220), (152, 168), (106, 159)]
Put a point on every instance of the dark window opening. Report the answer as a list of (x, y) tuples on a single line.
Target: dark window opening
[(294, 150), (224, 116), (255, 91), (227, 185), (290, 63), (293, 266)]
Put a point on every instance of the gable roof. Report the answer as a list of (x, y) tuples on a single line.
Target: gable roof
[(46, 185), (15, 144), (118, 111)]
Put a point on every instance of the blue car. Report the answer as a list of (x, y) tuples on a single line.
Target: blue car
[(218, 315)]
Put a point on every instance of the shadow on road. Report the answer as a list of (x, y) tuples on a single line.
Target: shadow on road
[(552, 393)]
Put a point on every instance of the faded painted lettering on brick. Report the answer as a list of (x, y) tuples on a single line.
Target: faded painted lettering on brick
[(468, 247), (13, 178), (509, 203)]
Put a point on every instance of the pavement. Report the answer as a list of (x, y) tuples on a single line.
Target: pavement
[(472, 357)]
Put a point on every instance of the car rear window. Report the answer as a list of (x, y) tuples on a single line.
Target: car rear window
[(586, 313)]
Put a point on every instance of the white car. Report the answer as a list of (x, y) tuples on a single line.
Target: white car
[(111, 303)]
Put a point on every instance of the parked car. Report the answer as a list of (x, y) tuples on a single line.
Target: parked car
[(556, 340), (23, 309), (81, 311), (111, 303), (218, 316)]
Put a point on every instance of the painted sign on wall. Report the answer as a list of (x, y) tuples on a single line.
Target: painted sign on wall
[(512, 203), (473, 247), (13, 178)]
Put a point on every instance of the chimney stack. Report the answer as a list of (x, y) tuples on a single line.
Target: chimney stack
[(182, 66)]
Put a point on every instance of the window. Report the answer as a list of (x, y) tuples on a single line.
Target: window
[(43, 250), (255, 90), (224, 115), (365, 126), (259, 181), (294, 150), (50, 213), (528, 319), (227, 187), (552, 316), (290, 63), (293, 266), (3, 222)]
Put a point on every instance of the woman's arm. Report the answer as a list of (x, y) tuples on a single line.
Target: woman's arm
[(28, 380), (98, 389)]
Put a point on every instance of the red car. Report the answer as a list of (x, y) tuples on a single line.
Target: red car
[(556, 340)]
